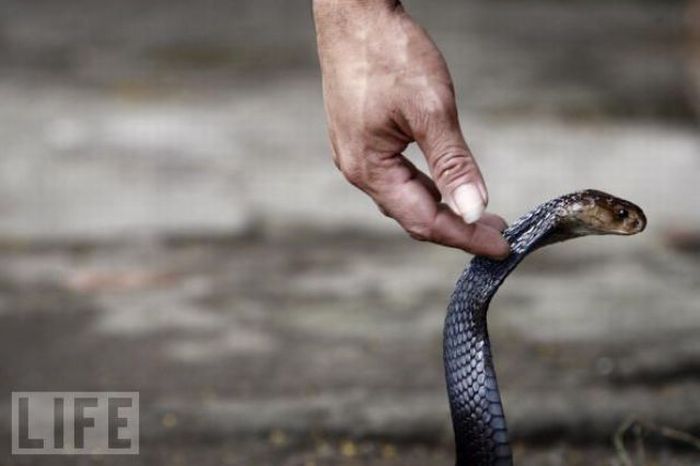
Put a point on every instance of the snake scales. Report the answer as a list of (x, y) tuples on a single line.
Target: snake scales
[(478, 420)]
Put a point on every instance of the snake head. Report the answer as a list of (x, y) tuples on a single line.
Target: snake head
[(599, 213)]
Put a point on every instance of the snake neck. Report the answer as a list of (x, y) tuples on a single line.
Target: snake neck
[(478, 420)]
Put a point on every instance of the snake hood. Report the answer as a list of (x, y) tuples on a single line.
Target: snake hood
[(475, 404)]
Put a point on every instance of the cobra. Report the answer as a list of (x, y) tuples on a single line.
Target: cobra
[(481, 438)]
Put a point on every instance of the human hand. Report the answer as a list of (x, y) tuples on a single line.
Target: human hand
[(385, 85)]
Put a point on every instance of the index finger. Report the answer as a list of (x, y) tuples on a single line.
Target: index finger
[(400, 190)]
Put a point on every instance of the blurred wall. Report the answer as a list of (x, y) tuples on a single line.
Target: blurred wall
[(175, 118)]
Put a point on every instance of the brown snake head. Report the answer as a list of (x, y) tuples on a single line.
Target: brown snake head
[(592, 212)]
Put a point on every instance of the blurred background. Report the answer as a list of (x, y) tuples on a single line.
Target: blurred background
[(171, 223)]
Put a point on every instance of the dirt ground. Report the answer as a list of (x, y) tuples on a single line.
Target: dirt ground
[(325, 349)]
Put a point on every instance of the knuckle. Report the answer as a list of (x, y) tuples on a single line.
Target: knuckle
[(334, 155), (354, 176), (452, 165), (366, 171), (440, 100), (434, 107), (421, 231), (383, 210), (437, 114), (351, 170)]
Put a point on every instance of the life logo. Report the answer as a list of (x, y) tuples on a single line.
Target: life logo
[(75, 423)]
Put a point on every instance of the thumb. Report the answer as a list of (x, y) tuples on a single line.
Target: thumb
[(453, 166)]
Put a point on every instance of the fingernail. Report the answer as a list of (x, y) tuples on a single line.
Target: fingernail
[(469, 202), (452, 206)]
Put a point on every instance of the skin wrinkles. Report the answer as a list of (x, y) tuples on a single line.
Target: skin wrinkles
[(386, 85)]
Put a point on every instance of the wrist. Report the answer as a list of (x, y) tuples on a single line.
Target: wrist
[(354, 3), (350, 11)]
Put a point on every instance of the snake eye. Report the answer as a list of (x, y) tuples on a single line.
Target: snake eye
[(621, 213)]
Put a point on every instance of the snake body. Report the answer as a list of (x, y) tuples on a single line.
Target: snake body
[(478, 420)]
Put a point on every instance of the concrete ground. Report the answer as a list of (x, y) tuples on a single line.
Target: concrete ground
[(170, 223)]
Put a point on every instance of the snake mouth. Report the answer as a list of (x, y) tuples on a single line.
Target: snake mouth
[(623, 221), (624, 218), (637, 224)]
